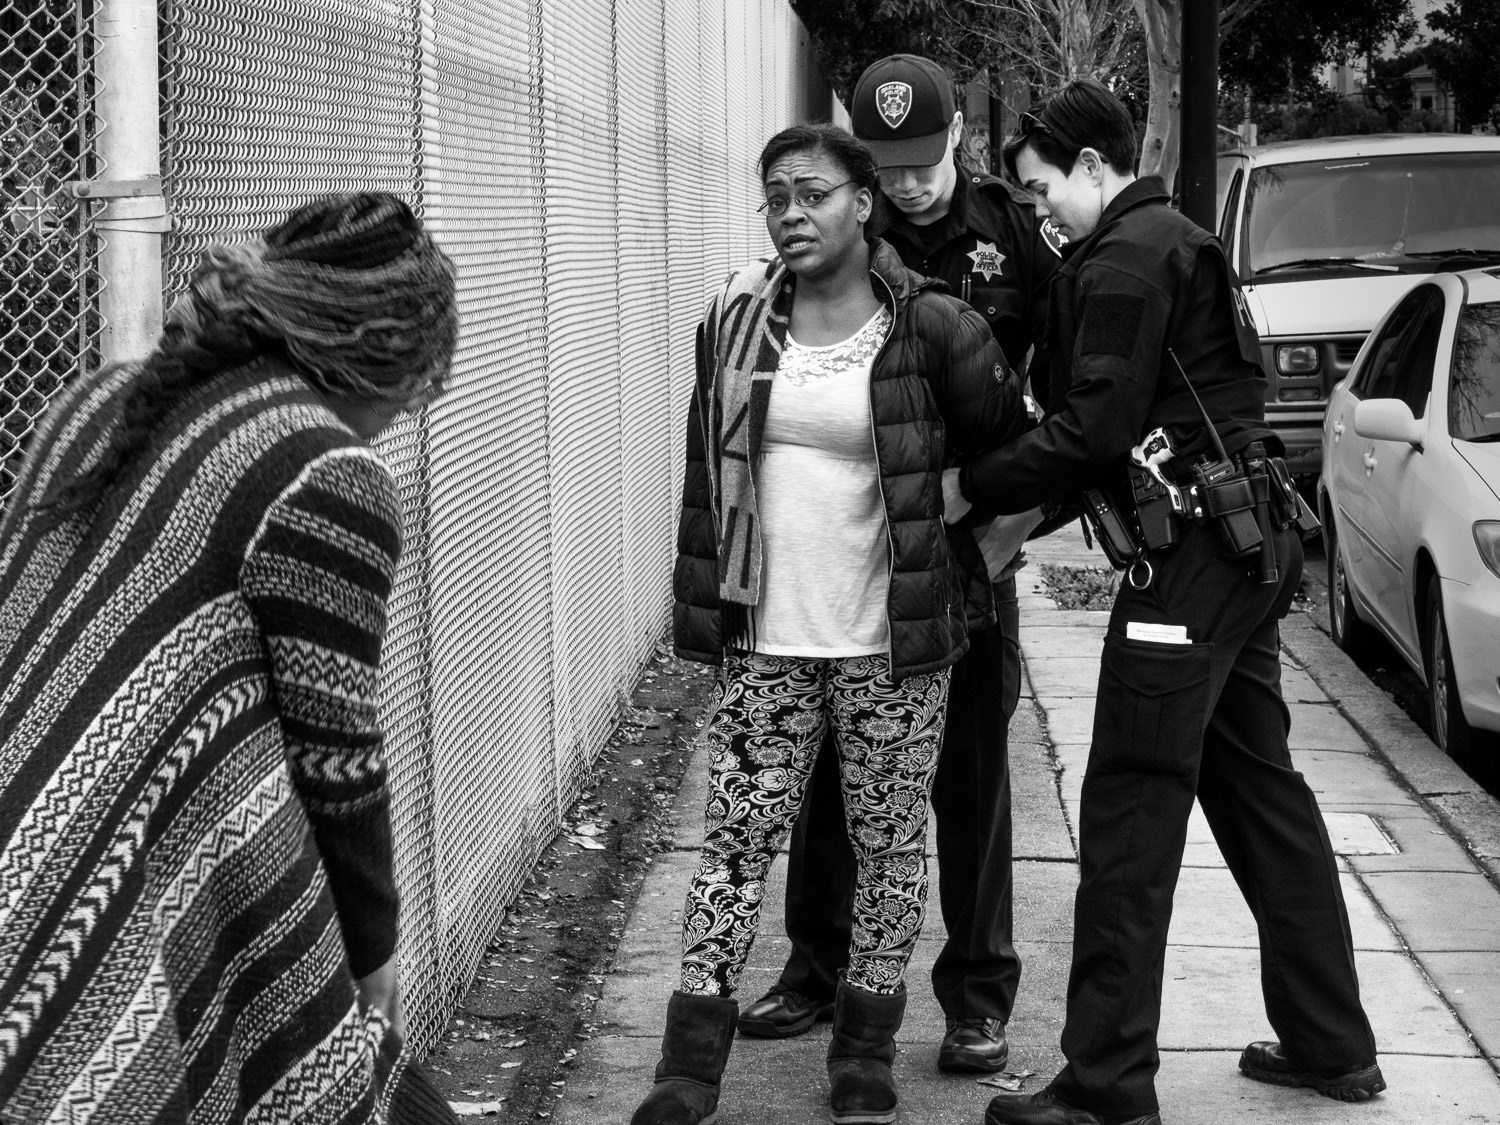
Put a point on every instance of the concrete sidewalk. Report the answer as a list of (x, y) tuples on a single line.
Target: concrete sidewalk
[(1425, 915)]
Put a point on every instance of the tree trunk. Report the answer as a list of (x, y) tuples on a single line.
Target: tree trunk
[(1160, 150), (1077, 39)]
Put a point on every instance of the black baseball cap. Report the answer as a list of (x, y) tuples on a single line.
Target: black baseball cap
[(903, 106)]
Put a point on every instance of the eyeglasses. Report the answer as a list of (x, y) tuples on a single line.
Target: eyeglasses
[(807, 199)]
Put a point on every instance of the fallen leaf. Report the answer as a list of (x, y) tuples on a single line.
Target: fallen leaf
[(586, 844), (639, 762), (509, 1065), (1006, 1080), (514, 1043), (474, 1109)]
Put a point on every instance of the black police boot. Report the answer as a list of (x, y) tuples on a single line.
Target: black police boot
[(782, 1013), (1264, 1062), (1046, 1108), (863, 1091), (694, 1049), (973, 1046)]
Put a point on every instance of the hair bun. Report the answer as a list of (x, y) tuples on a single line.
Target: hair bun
[(355, 232)]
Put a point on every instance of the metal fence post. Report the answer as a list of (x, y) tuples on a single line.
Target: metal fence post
[(134, 218)]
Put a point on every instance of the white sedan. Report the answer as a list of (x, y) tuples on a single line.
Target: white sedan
[(1410, 498)]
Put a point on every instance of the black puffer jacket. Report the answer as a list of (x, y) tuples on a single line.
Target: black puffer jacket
[(940, 389)]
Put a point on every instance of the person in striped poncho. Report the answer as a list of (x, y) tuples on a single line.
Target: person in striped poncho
[(198, 912)]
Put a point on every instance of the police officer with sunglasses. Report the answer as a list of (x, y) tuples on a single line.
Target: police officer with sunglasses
[(1154, 412)]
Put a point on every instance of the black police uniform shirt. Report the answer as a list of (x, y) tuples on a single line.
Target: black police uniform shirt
[(989, 249), (1147, 279)]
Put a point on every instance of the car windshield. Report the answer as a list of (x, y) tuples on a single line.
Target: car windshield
[(1376, 208), (1474, 398)]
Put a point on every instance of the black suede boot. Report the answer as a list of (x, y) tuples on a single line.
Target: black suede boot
[(860, 1055), (694, 1049)]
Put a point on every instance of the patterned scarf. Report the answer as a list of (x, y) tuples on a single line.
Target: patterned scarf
[(745, 331)]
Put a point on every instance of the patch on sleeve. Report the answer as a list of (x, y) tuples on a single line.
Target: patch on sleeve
[(1111, 324)]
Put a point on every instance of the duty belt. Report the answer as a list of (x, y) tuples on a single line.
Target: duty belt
[(1244, 496)]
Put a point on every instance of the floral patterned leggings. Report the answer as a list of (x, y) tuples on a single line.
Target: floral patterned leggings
[(771, 717)]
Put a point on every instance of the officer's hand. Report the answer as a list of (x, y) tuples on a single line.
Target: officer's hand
[(955, 507)]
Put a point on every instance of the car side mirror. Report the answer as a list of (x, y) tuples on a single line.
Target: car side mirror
[(1387, 419)]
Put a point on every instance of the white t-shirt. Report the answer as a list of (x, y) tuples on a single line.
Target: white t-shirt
[(826, 572)]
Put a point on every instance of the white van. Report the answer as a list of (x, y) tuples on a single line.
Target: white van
[(1327, 234)]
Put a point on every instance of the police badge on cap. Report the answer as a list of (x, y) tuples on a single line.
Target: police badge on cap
[(902, 108), (893, 101)]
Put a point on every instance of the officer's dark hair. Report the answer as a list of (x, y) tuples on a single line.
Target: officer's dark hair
[(1083, 114), (847, 150)]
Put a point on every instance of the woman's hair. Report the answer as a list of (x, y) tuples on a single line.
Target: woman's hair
[(348, 290), (844, 148), (1083, 114)]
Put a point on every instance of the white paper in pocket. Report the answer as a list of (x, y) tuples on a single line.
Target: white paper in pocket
[(1160, 634)]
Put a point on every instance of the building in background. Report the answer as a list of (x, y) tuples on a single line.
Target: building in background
[(1429, 96)]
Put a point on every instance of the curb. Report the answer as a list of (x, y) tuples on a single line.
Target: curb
[(1458, 802)]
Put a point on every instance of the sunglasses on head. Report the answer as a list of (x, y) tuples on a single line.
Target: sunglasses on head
[(1031, 123)]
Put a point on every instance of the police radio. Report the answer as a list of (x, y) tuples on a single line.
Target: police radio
[(1227, 495)]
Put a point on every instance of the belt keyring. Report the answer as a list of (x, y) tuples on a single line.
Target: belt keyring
[(1130, 573)]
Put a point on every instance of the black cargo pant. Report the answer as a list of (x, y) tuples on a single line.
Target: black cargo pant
[(977, 971), (1205, 718)]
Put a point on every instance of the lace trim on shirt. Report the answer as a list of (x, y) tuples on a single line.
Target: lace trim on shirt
[(801, 365)]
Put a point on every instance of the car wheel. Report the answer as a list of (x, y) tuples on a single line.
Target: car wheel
[(1349, 632), (1450, 730)]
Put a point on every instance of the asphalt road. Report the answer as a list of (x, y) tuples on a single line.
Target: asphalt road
[(1386, 669)]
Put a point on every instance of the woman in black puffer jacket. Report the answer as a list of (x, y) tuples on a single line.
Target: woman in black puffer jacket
[(939, 387), (834, 386)]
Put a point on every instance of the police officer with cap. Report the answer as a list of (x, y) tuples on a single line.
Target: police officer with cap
[(969, 230), (1155, 398)]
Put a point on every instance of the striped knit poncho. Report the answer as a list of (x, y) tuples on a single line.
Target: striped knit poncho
[(195, 844)]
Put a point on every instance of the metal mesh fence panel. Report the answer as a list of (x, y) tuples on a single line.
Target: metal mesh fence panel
[(584, 435), (589, 165), (270, 102), (492, 587), (645, 363), (48, 251), (690, 266), (714, 124)]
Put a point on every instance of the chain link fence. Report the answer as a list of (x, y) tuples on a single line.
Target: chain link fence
[(589, 166), (48, 249)]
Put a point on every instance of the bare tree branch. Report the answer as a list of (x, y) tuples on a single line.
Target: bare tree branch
[(1233, 13)]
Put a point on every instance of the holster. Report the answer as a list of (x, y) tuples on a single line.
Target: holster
[(1110, 527), (1158, 512), (1287, 506)]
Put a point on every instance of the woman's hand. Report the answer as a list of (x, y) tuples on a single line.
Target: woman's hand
[(379, 990), (955, 507)]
